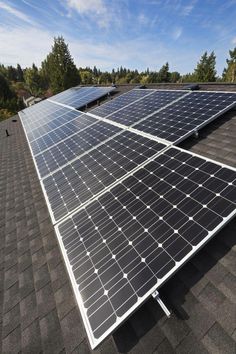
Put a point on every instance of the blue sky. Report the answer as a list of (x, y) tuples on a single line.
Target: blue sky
[(132, 33)]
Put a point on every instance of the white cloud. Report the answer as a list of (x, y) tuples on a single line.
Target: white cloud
[(87, 6), (96, 10), (143, 19), (177, 33), (234, 40), (186, 10), (24, 45), (13, 11)]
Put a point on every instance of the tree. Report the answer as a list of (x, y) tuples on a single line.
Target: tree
[(33, 80), (164, 74), (60, 68), (205, 70), (5, 91), (19, 73), (174, 76), (11, 73), (189, 77), (86, 77), (229, 73)]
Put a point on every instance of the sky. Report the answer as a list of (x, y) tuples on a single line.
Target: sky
[(136, 34)]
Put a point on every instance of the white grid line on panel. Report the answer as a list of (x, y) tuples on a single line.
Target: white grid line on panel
[(129, 104), (95, 342)]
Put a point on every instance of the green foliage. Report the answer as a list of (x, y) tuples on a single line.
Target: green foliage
[(4, 113), (5, 91), (9, 103), (19, 73), (164, 74), (175, 76), (229, 73), (205, 70), (59, 67), (86, 77), (190, 77), (33, 80), (12, 73)]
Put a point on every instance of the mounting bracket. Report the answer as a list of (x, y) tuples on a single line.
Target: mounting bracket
[(156, 296)]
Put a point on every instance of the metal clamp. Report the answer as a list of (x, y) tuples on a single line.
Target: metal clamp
[(156, 296)]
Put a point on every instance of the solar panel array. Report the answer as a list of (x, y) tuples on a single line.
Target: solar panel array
[(78, 97), (170, 115), (86, 176), (120, 102), (129, 114), (179, 120), (125, 244), (129, 208)]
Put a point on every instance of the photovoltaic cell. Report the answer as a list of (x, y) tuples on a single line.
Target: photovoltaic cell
[(179, 120), (124, 245), (147, 105), (78, 97), (41, 113), (73, 146), (81, 180), (67, 126), (120, 102)]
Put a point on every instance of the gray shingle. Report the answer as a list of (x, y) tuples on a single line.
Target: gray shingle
[(12, 343), (211, 297), (175, 330), (31, 338), (218, 341)]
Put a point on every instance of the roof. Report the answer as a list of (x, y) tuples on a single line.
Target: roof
[(38, 309)]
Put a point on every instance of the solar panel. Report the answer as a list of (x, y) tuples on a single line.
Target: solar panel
[(78, 97), (122, 246), (81, 179), (145, 106), (180, 119), (120, 102), (72, 147), (41, 113), (61, 128)]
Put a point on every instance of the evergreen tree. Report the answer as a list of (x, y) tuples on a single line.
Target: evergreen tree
[(5, 91), (164, 74), (33, 80), (174, 76), (60, 68), (19, 73), (11, 73), (86, 77), (205, 70), (189, 77), (229, 73)]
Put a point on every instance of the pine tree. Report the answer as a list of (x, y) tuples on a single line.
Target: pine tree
[(59, 67), (229, 73), (205, 70), (11, 73), (19, 73), (164, 74), (33, 80), (5, 91)]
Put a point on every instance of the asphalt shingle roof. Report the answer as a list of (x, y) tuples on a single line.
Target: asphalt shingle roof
[(38, 312)]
